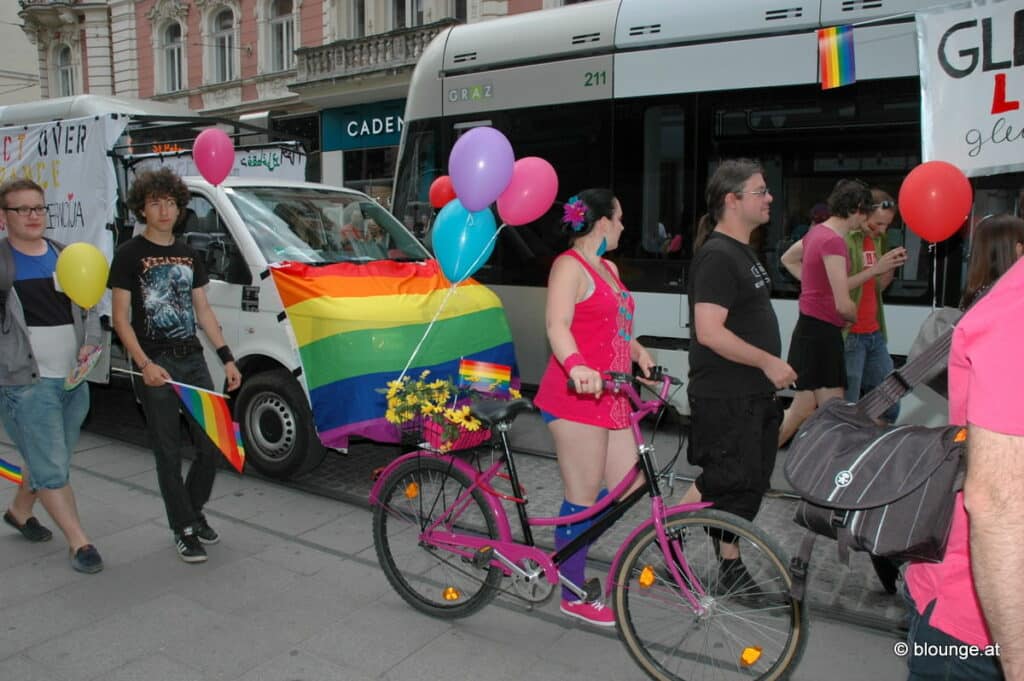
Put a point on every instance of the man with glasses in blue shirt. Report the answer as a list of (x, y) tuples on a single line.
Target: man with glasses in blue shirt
[(43, 335)]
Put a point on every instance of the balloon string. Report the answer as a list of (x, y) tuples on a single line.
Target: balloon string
[(486, 249), (426, 332), (935, 275)]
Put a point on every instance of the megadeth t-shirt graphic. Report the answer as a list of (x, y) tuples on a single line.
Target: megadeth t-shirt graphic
[(166, 287), (161, 280)]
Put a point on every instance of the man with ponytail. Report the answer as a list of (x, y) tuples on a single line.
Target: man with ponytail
[(589, 319), (735, 363)]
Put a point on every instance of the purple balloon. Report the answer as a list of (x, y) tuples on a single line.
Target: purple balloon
[(480, 166)]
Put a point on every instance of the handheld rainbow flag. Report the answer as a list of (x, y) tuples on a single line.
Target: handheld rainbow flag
[(357, 324), (485, 377), (835, 57), (211, 413), (9, 471)]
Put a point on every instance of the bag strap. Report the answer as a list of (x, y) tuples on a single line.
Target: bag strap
[(901, 381), (798, 565)]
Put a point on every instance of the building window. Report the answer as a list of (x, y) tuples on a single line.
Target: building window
[(459, 10), (65, 72), (172, 58), (282, 35), (358, 18), (224, 46), (406, 13)]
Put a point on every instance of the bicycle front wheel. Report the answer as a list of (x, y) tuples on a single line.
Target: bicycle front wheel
[(436, 581), (746, 626)]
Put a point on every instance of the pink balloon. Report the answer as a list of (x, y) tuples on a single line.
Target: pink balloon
[(531, 192), (214, 155)]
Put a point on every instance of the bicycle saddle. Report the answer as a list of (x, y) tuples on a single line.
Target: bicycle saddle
[(491, 412)]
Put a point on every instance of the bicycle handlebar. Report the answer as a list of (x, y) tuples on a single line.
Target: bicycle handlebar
[(615, 381)]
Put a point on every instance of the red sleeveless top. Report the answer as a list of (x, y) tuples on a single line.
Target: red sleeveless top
[(602, 326)]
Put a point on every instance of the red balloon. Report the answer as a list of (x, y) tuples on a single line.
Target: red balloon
[(441, 192), (935, 199)]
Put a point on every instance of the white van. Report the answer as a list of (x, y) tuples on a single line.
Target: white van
[(241, 228)]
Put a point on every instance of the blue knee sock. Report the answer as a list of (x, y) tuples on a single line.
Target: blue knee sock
[(574, 568)]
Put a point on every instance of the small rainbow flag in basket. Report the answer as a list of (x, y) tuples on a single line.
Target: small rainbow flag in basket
[(835, 57), (485, 377), (211, 413), (9, 471)]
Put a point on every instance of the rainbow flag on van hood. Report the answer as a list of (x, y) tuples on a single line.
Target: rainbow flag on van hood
[(356, 325)]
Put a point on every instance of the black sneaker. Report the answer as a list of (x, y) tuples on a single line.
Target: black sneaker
[(189, 548), (734, 580), (206, 534), (87, 559)]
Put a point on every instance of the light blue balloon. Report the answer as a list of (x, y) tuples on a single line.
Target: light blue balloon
[(463, 241)]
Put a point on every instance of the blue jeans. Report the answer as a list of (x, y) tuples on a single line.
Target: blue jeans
[(183, 499), (924, 641), (44, 421), (867, 363)]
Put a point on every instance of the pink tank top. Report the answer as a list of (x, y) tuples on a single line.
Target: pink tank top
[(602, 326)]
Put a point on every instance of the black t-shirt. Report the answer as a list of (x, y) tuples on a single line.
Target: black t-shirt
[(161, 279), (726, 272)]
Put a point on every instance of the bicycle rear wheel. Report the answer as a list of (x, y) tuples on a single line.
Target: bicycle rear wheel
[(750, 627), (431, 579)]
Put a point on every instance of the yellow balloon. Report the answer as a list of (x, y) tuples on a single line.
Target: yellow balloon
[(82, 273)]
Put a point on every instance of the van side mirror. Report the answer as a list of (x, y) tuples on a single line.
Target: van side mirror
[(217, 259), (225, 262)]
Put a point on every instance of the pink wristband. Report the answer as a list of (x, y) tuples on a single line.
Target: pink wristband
[(572, 361)]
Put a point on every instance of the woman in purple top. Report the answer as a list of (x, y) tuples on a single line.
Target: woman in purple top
[(820, 261)]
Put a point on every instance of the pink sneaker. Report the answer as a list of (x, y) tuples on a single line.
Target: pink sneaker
[(596, 613)]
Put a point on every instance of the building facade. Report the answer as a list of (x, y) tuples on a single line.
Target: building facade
[(333, 73), (19, 73)]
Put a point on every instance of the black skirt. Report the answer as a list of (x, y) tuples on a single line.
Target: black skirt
[(816, 353)]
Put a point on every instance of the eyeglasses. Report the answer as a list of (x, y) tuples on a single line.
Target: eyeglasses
[(25, 211), (883, 205), (757, 192)]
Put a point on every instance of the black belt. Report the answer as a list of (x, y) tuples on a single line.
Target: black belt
[(177, 350)]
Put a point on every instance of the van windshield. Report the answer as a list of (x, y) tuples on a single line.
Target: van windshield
[(310, 225)]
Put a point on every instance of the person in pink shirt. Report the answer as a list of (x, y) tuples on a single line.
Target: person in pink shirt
[(821, 261), (973, 597), (589, 319)]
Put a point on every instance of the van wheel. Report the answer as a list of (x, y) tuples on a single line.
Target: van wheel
[(277, 425)]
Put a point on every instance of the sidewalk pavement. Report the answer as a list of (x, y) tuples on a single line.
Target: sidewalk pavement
[(292, 591)]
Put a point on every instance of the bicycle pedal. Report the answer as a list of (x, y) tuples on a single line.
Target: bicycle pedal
[(482, 557), (592, 587)]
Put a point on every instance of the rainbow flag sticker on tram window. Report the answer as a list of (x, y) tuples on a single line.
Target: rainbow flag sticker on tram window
[(835, 57)]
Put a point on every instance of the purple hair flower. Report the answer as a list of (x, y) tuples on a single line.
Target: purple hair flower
[(574, 213)]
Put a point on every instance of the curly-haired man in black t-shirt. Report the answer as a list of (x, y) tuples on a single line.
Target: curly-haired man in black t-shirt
[(161, 281)]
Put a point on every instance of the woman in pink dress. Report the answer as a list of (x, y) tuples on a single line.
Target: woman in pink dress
[(590, 328)]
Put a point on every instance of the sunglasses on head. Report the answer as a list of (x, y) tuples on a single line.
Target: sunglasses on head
[(884, 205)]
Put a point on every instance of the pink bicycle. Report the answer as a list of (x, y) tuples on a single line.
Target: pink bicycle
[(444, 541)]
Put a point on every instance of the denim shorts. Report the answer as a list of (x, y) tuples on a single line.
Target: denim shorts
[(44, 421)]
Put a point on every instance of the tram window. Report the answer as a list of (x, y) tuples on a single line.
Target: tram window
[(419, 170), (575, 139)]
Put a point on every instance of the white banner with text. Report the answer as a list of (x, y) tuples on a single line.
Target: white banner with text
[(69, 160), (972, 86)]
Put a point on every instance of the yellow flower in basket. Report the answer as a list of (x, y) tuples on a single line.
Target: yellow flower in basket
[(428, 410)]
